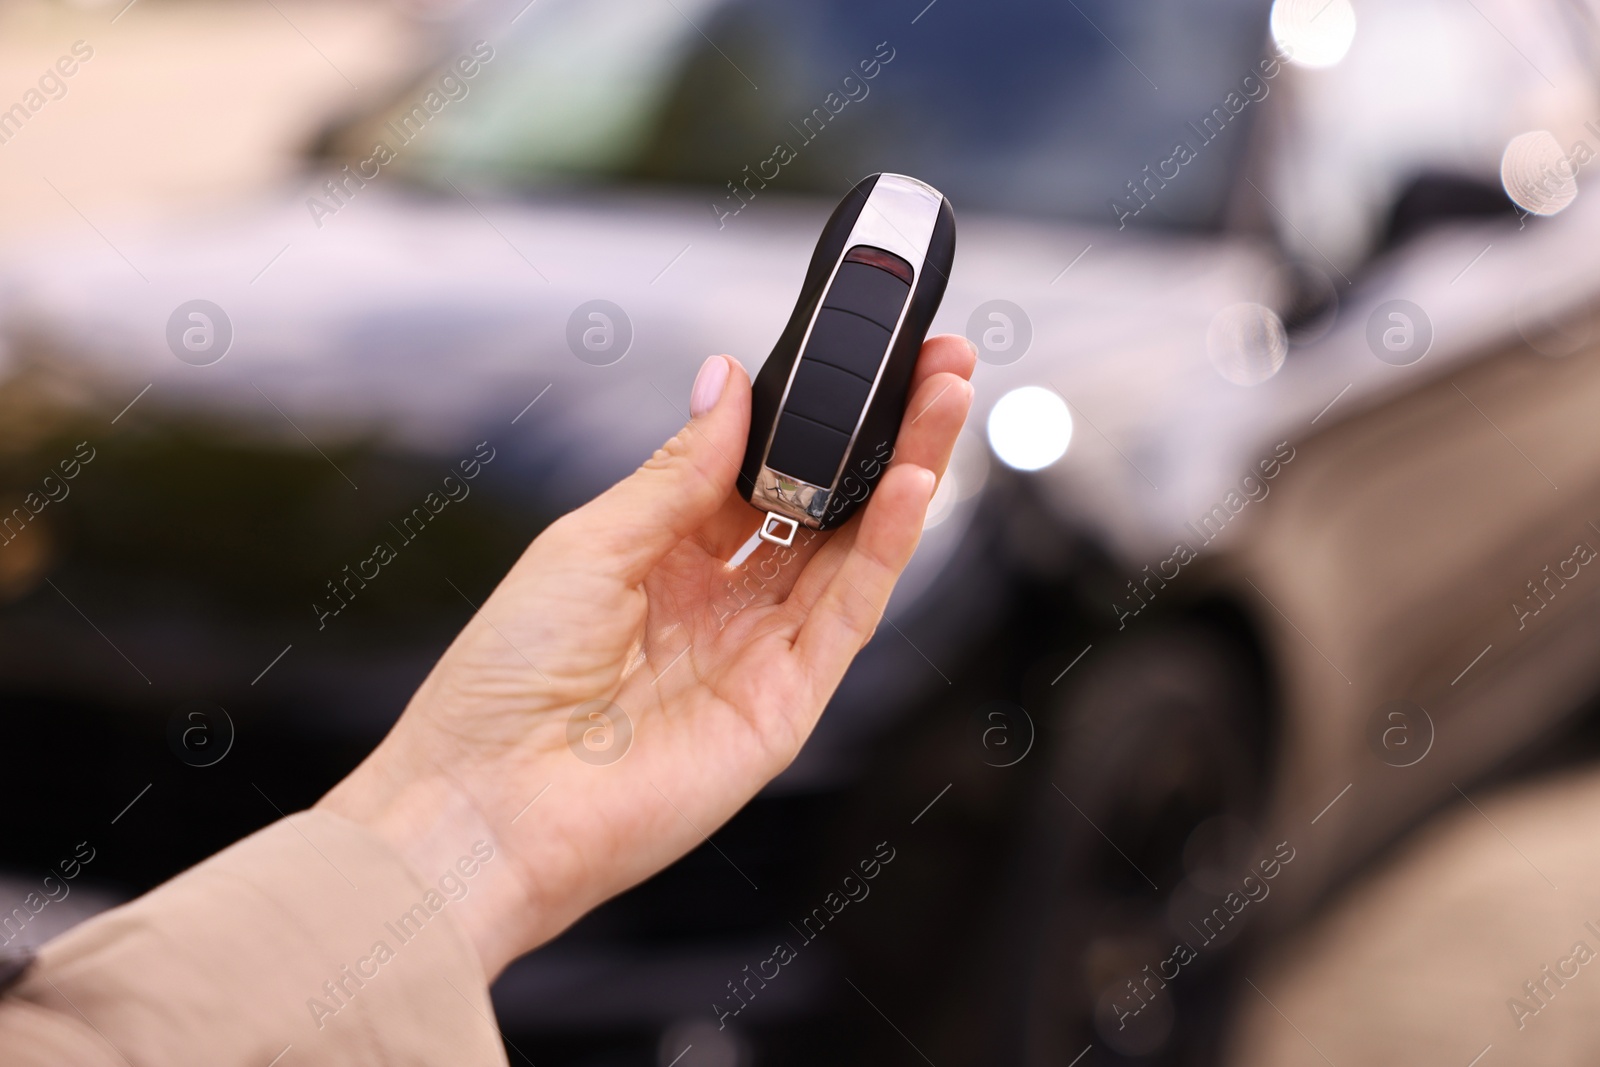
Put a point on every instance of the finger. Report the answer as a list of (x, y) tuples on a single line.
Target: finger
[(944, 353), (933, 421), (849, 609), (636, 522), (926, 440)]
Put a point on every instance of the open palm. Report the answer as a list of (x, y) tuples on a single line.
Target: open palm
[(624, 690)]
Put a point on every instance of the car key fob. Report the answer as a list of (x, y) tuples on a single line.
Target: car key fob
[(827, 404)]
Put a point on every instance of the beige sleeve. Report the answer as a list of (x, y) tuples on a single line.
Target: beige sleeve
[(310, 942)]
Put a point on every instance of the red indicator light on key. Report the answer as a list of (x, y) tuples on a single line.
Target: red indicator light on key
[(877, 257)]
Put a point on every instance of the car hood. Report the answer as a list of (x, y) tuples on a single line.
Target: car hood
[(430, 321), (426, 319)]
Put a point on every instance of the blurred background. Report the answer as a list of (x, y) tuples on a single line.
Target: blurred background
[(1239, 705)]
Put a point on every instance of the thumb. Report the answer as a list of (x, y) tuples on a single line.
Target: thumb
[(640, 519)]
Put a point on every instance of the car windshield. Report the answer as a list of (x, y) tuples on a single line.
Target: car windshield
[(1032, 106)]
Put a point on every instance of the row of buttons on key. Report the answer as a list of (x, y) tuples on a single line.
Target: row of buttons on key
[(835, 373)]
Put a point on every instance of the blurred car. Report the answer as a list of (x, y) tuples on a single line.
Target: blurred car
[(1286, 540)]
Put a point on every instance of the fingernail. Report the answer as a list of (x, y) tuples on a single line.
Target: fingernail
[(708, 386), (972, 345), (928, 482)]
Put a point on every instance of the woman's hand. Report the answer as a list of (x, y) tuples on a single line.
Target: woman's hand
[(624, 691)]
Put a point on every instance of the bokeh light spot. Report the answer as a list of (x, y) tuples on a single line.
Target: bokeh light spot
[(1536, 173), (1313, 33), (1030, 428), (1247, 343)]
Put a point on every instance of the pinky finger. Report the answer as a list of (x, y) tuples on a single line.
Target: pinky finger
[(847, 612)]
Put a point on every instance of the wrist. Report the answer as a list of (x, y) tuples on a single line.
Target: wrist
[(452, 851)]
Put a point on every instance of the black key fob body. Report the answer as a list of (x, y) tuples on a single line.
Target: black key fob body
[(827, 403)]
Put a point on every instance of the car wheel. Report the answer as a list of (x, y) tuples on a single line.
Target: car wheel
[(1157, 763)]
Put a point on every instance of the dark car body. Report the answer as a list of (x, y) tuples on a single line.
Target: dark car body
[(1073, 738)]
